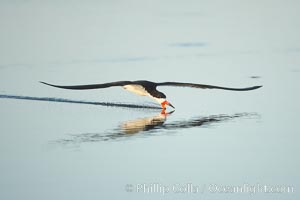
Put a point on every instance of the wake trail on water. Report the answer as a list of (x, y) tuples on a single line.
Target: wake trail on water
[(62, 100)]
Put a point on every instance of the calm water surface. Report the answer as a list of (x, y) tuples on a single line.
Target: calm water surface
[(110, 144)]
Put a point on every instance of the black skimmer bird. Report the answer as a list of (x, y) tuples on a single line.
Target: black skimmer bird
[(148, 88)]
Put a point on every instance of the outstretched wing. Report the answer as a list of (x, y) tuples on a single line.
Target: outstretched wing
[(92, 86), (202, 86)]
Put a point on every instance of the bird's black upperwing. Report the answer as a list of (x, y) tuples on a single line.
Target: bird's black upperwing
[(202, 86), (92, 86)]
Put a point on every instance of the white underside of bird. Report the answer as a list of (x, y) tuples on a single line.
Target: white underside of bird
[(140, 90)]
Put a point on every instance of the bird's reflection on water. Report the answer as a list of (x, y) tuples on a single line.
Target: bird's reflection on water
[(150, 126), (144, 124)]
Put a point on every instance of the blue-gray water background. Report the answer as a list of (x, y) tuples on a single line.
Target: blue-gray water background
[(63, 144)]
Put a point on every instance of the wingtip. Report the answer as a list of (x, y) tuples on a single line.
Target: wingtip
[(44, 83), (250, 88)]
